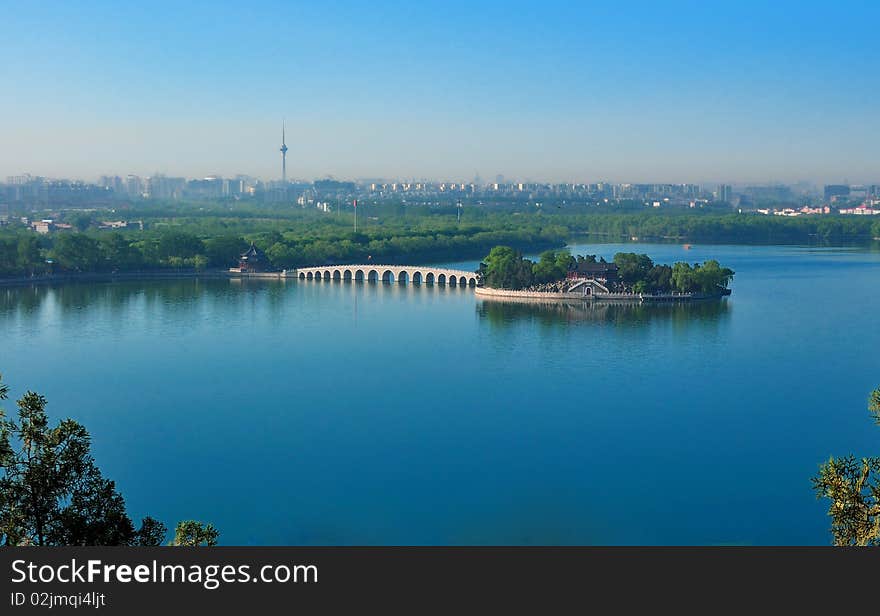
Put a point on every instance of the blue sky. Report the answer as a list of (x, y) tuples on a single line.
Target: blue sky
[(625, 91)]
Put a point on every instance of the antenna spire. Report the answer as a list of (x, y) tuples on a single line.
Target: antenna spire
[(283, 151)]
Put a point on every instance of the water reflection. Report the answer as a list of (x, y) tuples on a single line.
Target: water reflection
[(503, 313), (117, 299), (188, 297)]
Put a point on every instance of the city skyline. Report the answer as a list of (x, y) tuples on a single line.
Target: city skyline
[(475, 180), (552, 93)]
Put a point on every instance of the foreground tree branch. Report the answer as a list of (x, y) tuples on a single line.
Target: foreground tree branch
[(853, 487)]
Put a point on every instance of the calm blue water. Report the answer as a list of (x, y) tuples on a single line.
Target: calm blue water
[(329, 413)]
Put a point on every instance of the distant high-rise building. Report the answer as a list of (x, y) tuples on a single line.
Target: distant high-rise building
[(233, 188), (725, 193), (858, 192), (134, 186), (162, 187), (836, 190)]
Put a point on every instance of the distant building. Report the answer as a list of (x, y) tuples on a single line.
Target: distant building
[(252, 260), (858, 192), (861, 210), (162, 187), (587, 270), (834, 191), (134, 186), (43, 226)]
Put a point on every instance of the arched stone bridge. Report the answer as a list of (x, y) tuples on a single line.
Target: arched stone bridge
[(402, 274)]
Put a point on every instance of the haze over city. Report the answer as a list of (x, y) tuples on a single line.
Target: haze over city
[(535, 91)]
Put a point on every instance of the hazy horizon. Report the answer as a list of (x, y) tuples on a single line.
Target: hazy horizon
[(678, 93)]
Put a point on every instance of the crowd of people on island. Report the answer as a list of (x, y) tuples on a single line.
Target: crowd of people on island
[(557, 286), (563, 286)]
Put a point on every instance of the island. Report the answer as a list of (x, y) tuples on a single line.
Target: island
[(558, 275)]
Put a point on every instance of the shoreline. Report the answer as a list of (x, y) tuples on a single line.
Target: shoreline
[(135, 276)]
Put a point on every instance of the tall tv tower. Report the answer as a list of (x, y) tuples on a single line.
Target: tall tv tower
[(283, 156)]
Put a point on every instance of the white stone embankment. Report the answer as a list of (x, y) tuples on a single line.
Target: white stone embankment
[(492, 293), (507, 293)]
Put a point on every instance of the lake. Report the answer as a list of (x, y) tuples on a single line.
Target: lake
[(335, 413)]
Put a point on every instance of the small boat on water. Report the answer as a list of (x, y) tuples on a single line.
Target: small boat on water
[(687, 246)]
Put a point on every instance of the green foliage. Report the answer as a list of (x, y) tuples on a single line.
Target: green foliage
[(552, 265), (51, 491), (727, 228), (659, 279), (151, 533), (853, 487), (683, 278), (290, 239), (190, 533), (175, 234), (28, 257), (179, 244), (77, 252), (505, 268), (642, 275), (81, 221), (709, 277), (119, 253), (223, 251), (632, 268)]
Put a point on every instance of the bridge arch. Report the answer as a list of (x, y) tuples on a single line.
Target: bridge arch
[(389, 274)]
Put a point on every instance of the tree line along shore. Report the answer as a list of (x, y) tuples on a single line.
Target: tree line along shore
[(213, 237)]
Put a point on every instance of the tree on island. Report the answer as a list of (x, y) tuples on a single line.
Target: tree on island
[(853, 487), (553, 265), (705, 278), (51, 490), (506, 268)]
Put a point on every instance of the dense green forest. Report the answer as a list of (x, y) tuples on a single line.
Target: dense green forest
[(212, 235), (217, 241)]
